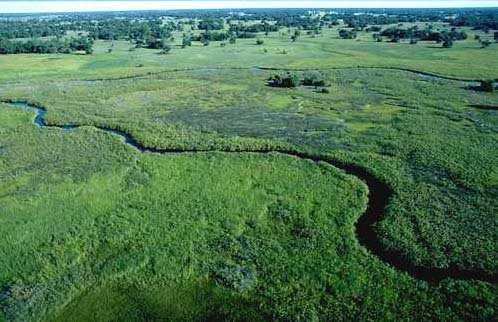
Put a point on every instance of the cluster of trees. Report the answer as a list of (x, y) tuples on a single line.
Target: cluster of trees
[(208, 36), (38, 46), (289, 79), (152, 30), (446, 37), (211, 24), (427, 34), (485, 20), (298, 19), (142, 25), (153, 43), (286, 79), (253, 28), (32, 28), (362, 21), (122, 29), (98, 26), (347, 34), (373, 29)]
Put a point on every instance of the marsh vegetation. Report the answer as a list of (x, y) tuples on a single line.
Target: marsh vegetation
[(223, 231)]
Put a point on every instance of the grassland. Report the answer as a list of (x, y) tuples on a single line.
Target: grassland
[(324, 51), (87, 219)]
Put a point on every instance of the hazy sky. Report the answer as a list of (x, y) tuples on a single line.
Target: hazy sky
[(65, 6)]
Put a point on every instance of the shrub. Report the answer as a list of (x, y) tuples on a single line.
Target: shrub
[(236, 277), (313, 78), (347, 34), (485, 43), (487, 86), (448, 43), (186, 41), (285, 80), (166, 48)]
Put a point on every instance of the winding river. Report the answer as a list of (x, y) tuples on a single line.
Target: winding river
[(379, 195)]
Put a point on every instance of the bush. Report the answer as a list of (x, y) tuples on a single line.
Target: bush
[(186, 41), (234, 276), (285, 80), (448, 43), (347, 34), (313, 78), (260, 42), (487, 86), (485, 43), (166, 48)]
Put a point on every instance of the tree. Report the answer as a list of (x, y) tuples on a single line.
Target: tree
[(186, 41), (6, 46), (447, 43), (373, 29), (447, 40), (81, 44), (296, 35), (153, 43), (166, 47), (485, 43)]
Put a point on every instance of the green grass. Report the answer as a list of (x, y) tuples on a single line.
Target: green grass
[(86, 219), (326, 50), (191, 237)]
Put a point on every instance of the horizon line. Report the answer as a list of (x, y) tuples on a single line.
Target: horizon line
[(95, 6)]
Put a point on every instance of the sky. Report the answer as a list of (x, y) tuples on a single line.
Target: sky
[(105, 5)]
